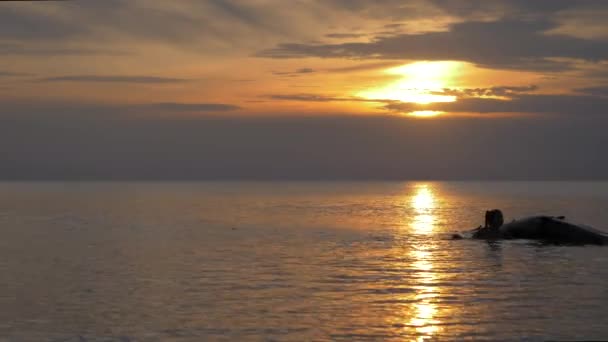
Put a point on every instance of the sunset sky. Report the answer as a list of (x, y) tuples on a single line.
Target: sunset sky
[(267, 89)]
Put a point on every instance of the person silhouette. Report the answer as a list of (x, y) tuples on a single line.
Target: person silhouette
[(494, 219), (490, 230)]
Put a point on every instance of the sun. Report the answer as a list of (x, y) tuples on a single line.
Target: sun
[(419, 83), (425, 113)]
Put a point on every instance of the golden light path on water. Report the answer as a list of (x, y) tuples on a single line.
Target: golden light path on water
[(423, 203)]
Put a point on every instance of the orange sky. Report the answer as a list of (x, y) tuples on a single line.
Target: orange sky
[(308, 57)]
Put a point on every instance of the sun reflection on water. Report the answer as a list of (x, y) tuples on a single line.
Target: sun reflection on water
[(423, 204), (424, 311)]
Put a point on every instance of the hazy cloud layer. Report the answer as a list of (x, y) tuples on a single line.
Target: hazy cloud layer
[(77, 146)]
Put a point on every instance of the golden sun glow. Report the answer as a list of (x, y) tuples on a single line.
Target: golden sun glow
[(423, 203), (423, 200), (418, 83), (425, 309), (425, 113)]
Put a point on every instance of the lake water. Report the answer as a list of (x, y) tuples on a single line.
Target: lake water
[(294, 261)]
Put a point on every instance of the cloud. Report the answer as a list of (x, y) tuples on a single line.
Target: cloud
[(571, 105), (18, 23), (364, 67), (345, 35), (513, 99), (346, 69), (506, 44), (228, 24), (392, 26), (464, 8), (223, 26), (192, 107), (599, 74), (305, 71), (42, 50), (114, 79), (597, 91), (67, 111), (317, 98), (492, 91), (294, 73), (13, 74), (214, 27)]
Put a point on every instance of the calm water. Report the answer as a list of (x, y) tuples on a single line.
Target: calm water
[(294, 262)]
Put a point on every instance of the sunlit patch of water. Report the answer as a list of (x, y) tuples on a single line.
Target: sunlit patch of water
[(424, 311)]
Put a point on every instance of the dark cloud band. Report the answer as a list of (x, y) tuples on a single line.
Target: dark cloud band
[(506, 44)]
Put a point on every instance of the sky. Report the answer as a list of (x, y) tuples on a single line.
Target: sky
[(304, 89)]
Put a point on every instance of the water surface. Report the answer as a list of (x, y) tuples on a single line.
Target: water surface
[(293, 261)]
